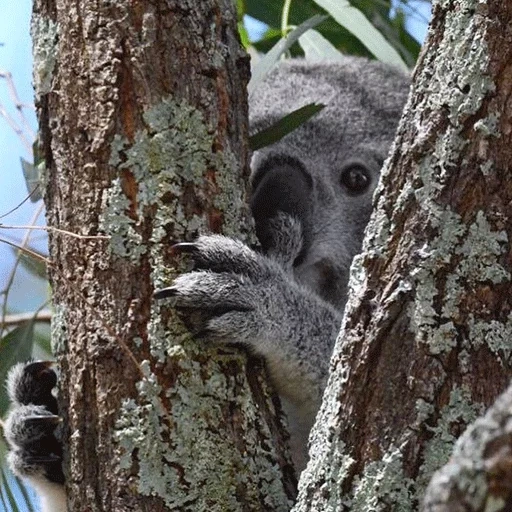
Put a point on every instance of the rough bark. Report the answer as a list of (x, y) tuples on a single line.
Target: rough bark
[(478, 477), (425, 344), (142, 111)]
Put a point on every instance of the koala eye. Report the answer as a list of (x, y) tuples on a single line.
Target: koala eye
[(355, 179)]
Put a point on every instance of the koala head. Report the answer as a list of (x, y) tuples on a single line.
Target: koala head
[(325, 172)]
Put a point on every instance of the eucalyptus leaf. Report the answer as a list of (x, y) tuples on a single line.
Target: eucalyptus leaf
[(15, 346), (270, 59), (356, 23), (284, 126), (35, 266), (32, 180), (317, 48), (244, 36), (42, 340)]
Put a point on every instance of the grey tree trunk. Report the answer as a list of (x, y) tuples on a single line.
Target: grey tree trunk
[(143, 118), (426, 341)]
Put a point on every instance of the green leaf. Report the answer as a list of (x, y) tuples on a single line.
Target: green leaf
[(31, 174), (15, 347), (378, 12), (32, 264), (240, 9), (267, 63), (244, 36), (355, 22), (42, 340), (267, 11), (317, 48), (284, 126)]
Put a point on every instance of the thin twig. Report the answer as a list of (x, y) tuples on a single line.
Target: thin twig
[(18, 318), (36, 188), (13, 93), (16, 127), (57, 230), (10, 279), (32, 253)]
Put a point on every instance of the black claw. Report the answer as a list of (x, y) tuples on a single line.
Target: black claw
[(39, 366), (165, 292), (50, 420), (184, 247), (42, 459)]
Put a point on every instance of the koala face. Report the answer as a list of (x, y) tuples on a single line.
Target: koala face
[(325, 172)]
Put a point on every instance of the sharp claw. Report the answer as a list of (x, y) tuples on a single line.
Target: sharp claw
[(41, 459), (51, 420), (39, 367), (184, 247), (165, 292)]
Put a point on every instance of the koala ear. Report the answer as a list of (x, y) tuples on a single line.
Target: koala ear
[(281, 185)]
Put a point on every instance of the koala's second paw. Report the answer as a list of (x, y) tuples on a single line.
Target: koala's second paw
[(32, 426)]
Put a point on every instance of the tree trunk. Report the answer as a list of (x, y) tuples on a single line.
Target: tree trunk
[(478, 477), (142, 111), (425, 344)]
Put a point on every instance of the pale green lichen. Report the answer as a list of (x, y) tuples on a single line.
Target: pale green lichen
[(59, 331), (460, 411), (487, 168), (424, 410), (382, 485), (174, 150), (477, 246), (479, 249), (476, 459), (489, 125), (124, 241), (44, 33), (163, 454), (497, 336)]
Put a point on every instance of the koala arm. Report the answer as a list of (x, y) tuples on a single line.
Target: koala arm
[(236, 295), (32, 430)]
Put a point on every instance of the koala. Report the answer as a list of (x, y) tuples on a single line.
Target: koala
[(311, 200)]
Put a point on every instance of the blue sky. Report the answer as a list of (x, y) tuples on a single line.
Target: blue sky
[(15, 56)]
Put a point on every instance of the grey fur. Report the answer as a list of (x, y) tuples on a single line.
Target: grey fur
[(284, 303)]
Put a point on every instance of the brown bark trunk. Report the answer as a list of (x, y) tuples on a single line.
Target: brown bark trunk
[(142, 109), (426, 340)]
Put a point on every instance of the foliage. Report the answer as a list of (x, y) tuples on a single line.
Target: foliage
[(364, 18)]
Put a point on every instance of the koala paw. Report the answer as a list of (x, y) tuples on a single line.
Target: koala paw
[(226, 295), (236, 295), (32, 427)]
